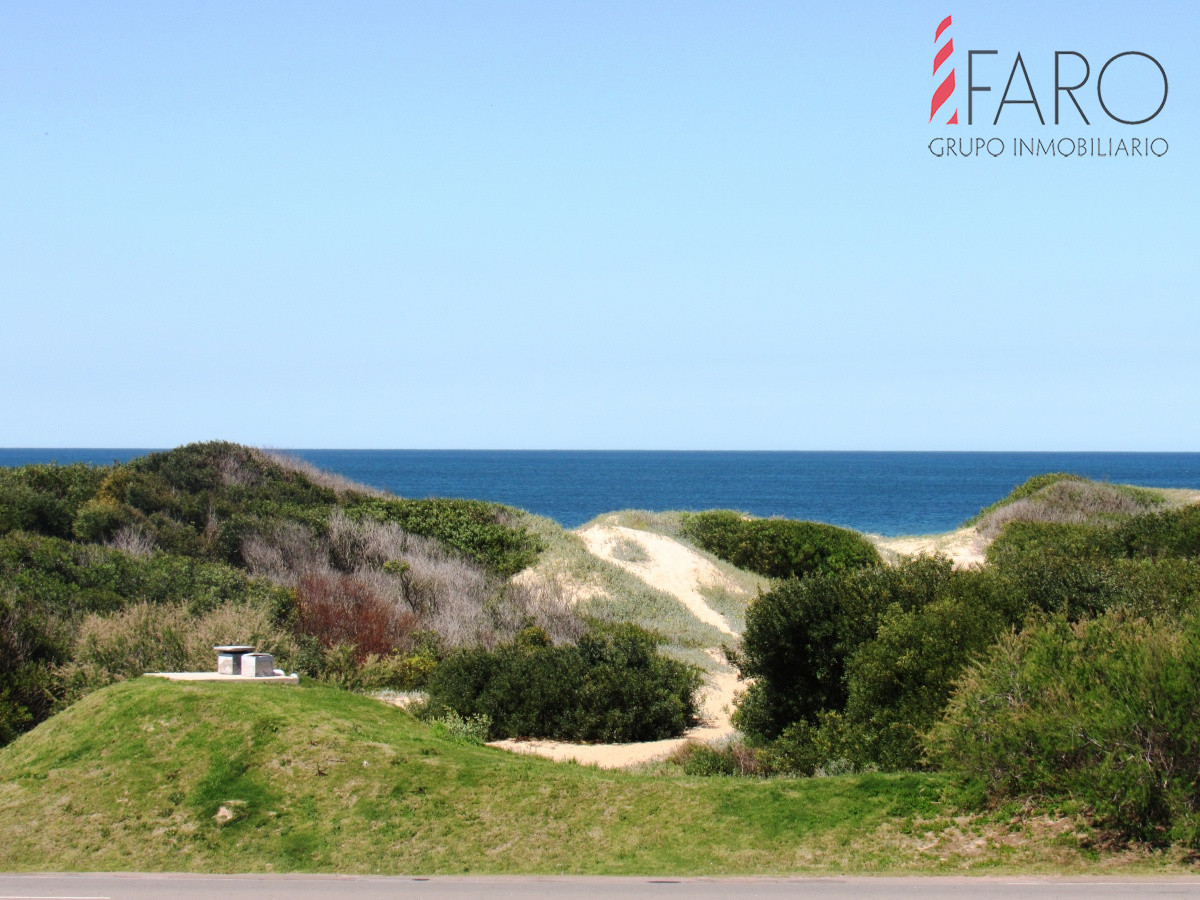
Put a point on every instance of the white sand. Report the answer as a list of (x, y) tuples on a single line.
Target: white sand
[(670, 567), (965, 547)]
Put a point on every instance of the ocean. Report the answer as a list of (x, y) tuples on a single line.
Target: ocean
[(885, 493)]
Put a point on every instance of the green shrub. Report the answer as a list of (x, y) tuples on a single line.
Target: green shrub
[(832, 745), (612, 686), (100, 519), (1173, 532), (396, 671), (1078, 585), (898, 684), (800, 635), (706, 760), (1155, 535), (73, 579), (484, 532), (33, 639), (1020, 541), (855, 667), (44, 499), (469, 730), (779, 548), (1104, 713)]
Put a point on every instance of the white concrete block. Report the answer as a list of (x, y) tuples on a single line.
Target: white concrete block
[(258, 665)]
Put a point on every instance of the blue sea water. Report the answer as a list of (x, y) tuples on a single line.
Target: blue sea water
[(885, 493)]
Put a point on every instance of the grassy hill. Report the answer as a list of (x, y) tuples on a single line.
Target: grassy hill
[(152, 775)]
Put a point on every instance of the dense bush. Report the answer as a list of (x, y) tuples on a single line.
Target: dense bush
[(898, 683), (484, 532), (778, 548), (853, 668), (33, 639), (1020, 542), (1173, 532), (1156, 535), (1079, 587), (1103, 713), (72, 579), (46, 499), (801, 635), (613, 685)]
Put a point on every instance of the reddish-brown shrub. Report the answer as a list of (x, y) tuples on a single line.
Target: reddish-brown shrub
[(341, 609)]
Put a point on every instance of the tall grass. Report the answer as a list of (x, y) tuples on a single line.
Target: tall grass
[(149, 637)]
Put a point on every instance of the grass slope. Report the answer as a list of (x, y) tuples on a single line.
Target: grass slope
[(151, 775)]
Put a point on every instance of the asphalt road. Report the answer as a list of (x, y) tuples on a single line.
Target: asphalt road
[(310, 887)]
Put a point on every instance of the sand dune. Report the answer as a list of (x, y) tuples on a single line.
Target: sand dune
[(965, 547), (668, 566)]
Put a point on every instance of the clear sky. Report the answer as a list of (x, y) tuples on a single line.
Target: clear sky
[(587, 225)]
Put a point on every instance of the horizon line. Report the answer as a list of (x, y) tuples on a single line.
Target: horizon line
[(271, 447)]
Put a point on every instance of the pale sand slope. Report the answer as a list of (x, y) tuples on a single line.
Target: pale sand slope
[(965, 547), (679, 571), (669, 566)]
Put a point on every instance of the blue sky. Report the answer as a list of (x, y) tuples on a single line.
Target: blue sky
[(586, 225)]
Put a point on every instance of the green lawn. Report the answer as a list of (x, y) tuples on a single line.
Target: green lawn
[(152, 775)]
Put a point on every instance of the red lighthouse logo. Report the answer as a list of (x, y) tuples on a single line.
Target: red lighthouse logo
[(946, 88)]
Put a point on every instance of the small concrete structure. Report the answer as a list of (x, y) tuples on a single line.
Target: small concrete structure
[(229, 658), (258, 665), (236, 662)]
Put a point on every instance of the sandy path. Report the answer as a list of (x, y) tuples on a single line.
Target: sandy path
[(669, 566)]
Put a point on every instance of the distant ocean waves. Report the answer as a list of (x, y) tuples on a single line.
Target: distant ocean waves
[(885, 493)]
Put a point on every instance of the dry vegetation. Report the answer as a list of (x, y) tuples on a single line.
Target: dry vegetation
[(1071, 501), (339, 484), (371, 583)]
